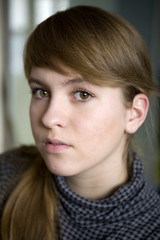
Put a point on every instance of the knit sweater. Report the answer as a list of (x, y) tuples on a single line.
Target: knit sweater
[(132, 212)]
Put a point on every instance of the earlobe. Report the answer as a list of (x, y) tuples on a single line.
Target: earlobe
[(137, 113)]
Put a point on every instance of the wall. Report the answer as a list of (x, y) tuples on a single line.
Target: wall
[(2, 75)]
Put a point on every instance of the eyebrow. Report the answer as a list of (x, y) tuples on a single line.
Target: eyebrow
[(68, 82), (37, 81), (75, 80)]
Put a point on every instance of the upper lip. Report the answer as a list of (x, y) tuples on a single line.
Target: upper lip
[(55, 141)]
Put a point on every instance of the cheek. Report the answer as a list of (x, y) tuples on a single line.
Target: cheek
[(32, 120), (101, 125), (32, 113), (35, 115), (91, 125)]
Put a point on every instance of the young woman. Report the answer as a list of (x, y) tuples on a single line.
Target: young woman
[(90, 77)]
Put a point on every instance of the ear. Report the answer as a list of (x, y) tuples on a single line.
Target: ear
[(137, 113)]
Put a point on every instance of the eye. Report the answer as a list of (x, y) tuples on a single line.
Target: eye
[(82, 95), (40, 93)]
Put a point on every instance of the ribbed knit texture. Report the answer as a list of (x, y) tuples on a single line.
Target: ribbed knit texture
[(131, 213)]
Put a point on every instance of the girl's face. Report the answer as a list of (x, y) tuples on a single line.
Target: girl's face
[(79, 128)]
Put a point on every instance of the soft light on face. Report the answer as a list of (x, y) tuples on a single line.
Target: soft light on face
[(79, 128)]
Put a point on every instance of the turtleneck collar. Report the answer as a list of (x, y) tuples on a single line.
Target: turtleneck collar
[(81, 210), (132, 212)]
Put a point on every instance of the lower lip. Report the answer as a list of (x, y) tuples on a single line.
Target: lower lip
[(56, 148)]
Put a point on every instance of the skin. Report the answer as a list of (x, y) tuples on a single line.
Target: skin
[(80, 130)]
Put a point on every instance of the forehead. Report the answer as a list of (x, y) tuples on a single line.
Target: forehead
[(43, 75)]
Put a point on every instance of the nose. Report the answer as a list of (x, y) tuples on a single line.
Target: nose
[(55, 114)]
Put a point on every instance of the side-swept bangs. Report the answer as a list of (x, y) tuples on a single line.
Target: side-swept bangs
[(101, 47)]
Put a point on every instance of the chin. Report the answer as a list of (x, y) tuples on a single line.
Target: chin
[(60, 170)]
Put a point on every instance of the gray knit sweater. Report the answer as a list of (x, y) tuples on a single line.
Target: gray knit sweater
[(132, 212)]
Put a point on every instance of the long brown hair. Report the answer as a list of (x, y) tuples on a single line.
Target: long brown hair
[(106, 50)]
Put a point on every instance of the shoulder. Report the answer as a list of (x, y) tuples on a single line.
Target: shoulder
[(18, 153), (147, 204), (140, 205), (12, 164), (15, 160), (151, 217)]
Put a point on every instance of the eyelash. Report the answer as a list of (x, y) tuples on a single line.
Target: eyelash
[(81, 90), (34, 92)]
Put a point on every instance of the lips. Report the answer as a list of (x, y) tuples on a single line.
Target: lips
[(55, 146)]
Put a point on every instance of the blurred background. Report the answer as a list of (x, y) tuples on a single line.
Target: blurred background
[(19, 17)]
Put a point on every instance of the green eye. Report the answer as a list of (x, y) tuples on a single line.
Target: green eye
[(42, 93), (84, 95)]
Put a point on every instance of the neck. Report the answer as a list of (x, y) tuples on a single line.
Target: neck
[(101, 184)]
